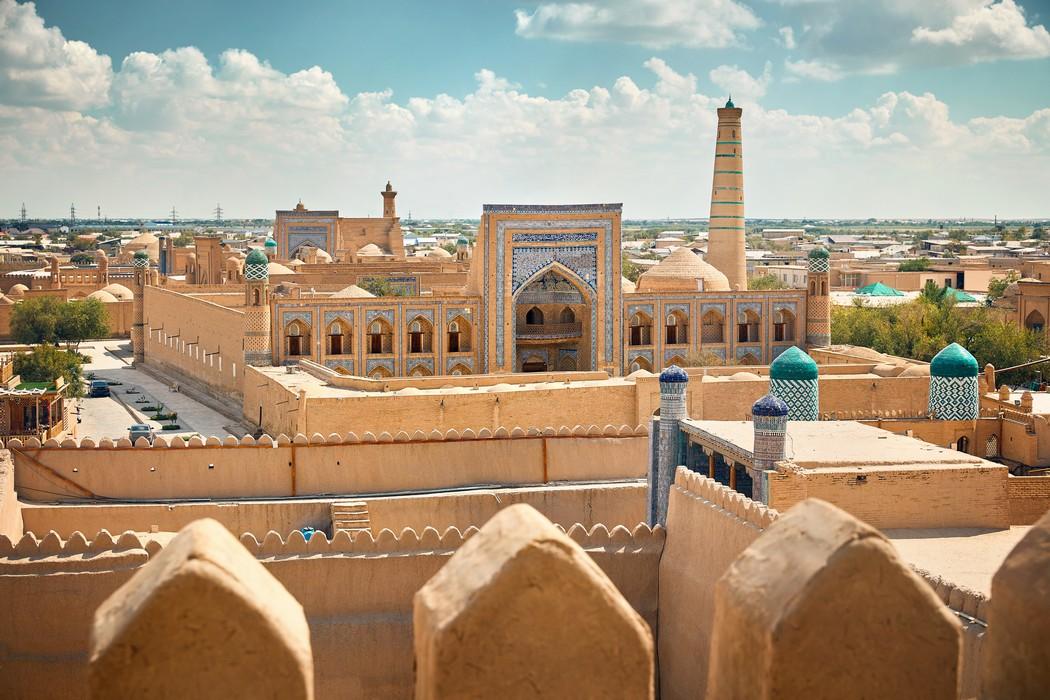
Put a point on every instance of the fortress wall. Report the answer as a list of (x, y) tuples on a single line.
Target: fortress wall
[(589, 505), (1029, 498), (271, 406), (214, 329), (319, 466), (10, 509), (708, 526), (356, 593), (903, 498)]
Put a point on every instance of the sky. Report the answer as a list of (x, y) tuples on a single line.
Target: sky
[(852, 109)]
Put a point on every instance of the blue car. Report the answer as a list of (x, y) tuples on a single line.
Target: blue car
[(97, 388)]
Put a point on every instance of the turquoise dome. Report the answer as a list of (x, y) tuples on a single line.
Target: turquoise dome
[(140, 255), (954, 361), (819, 252), (256, 257), (270, 243), (462, 241), (793, 364)]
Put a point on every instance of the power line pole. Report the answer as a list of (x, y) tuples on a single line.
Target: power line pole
[(99, 208), (23, 212), (218, 212), (72, 214), (174, 215)]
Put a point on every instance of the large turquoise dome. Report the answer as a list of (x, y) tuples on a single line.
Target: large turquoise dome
[(793, 363), (954, 361), (819, 252), (256, 257)]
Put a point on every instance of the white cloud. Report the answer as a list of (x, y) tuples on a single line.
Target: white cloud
[(741, 84), (787, 38), (180, 130), (838, 38), (38, 66), (651, 23), (989, 32), (814, 70)]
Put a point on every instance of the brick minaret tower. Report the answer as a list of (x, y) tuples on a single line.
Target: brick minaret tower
[(725, 249), (140, 263), (818, 299), (666, 443), (769, 415), (389, 210), (257, 345)]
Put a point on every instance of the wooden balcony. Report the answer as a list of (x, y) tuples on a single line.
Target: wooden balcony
[(549, 331)]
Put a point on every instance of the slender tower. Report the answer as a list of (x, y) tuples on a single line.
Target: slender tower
[(725, 245), (818, 299), (389, 209), (666, 444), (140, 264), (257, 309)]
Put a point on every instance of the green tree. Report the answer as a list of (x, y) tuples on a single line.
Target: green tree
[(766, 282), (917, 265), (80, 320), (381, 287), (997, 287), (46, 363), (82, 259), (35, 320), (183, 239), (629, 270), (933, 293)]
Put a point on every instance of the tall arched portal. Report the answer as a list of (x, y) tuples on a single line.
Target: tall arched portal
[(552, 317)]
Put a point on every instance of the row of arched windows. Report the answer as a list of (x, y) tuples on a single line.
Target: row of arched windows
[(535, 316), (712, 328), (379, 339)]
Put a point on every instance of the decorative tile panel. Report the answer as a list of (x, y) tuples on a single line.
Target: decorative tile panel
[(346, 317), (427, 362), (289, 316), (451, 362), (646, 309), (452, 313), (374, 364), (632, 355), (742, 309), (412, 314), (719, 307), (348, 365), (554, 237), (373, 314), (755, 350), (526, 262)]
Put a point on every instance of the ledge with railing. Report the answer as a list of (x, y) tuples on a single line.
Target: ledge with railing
[(549, 330)]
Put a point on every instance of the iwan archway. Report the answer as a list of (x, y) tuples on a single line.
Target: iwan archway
[(553, 322)]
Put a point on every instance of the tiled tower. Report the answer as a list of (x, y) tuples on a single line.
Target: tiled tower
[(793, 378), (818, 299), (140, 263), (953, 384), (769, 415), (270, 247), (725, 247), (668, 446), (257, 309)]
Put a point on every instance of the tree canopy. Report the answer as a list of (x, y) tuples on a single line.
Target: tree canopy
[(49, 319), (917, 265), (766, 282), (46, 363)]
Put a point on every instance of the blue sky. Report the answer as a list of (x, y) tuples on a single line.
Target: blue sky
[(892, 108)]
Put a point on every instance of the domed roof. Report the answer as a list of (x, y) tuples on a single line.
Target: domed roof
[(793, 363), (743, 377), (438, 253), (674, 375), (352, 292), (17, 290), (819, 252), (462, 240), (270, 243), (916, 371), (119, 291), (954, 361), (769, 405), (278, 269), (256, 257), (103, 296), (683, 269), (141, 254), (369, 249)]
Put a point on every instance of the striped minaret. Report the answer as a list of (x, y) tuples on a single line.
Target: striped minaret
[(725, 247)]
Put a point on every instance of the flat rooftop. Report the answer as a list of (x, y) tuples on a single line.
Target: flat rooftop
[(835, 446), (968, 557)]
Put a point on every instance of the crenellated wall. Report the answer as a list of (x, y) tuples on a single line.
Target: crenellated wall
[(302, 466), (356, 593)]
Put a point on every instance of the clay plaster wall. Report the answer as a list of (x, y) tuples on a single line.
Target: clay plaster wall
[(320, 467), (708, 526), (914, 497), (10, 509), (1029, 498), (357, 596), (209, 348)]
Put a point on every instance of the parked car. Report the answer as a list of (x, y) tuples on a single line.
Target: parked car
[(97, 388), (141, 430)]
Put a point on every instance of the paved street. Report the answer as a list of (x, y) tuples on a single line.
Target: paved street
[(111, 416)]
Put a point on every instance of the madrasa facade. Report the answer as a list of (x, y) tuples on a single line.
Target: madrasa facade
[(540, 289)]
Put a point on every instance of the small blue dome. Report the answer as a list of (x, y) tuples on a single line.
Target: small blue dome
[(270, 243), (793, 364), (674, 374), (769, 405)]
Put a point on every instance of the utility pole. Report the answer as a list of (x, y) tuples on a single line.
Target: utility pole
[(23, 213), (218, 212), (72, 214), (174, 215), (99, 210)]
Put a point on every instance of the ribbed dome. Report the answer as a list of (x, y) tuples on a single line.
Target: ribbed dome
[(954, 361), (352, 292), (683, 270), (674, 375), (793, 364), (769, 405), (256, 257)]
